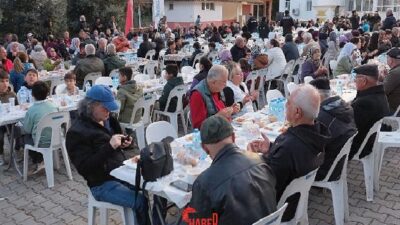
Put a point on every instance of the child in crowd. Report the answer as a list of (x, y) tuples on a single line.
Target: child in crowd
[(5, 94), (70, 85), (171, 75), (35, 113), (128, 93), (31, 77)]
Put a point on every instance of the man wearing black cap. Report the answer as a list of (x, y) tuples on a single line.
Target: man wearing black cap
[(238, 186), (392, 80), (370, 105), (287, 23), (337, 115)]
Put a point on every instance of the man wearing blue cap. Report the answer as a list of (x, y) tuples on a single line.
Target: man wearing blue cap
[(94, 144)]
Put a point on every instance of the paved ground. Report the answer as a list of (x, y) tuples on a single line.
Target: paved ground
[(33, 203)]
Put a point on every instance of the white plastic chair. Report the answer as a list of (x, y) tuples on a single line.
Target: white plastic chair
[(178, 92), (147, 104), (273, 94), (92, 77), (291, 86), (212, 55), (127, 214), (338, 187), (274, 218), (107, 81), (308, 79), (157, 131), (300, 185), (369, 161), (55, 82), (333, 65), (114, 73), (187, 70), (141, 77), (386, 139), (53, 121), (59, 88), (197, 59), (298, 64), (150, 54), (151, 68), (252, 79), (197, 67)]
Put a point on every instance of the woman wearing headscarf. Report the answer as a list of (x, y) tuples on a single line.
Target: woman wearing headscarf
[(349, 59), (225, 56), (74, 48), (313, 65), (333, 49), (52, 54), (38, 55)]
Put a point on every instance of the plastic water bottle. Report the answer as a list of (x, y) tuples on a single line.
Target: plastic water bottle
[(62, 66), (23, 96), (353, 75), (115, 82), (281, 109), (272, 110), (87, 86), (339, 87), (197, 144)]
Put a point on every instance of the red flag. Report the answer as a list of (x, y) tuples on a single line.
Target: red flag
[(129, 16)]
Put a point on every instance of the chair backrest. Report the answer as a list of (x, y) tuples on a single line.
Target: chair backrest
[(397, 111), (308, 79), (55, 82), (187, 70), (197, 66), (374, 129), (114, 73), (59, 88), (333, 64), (157, 131), (288, 67), (141, 77), (107, 81), (212, 55), (291, 86), (274, 218), (134, 66), (273, 94), (147, 104), (343, 154), (197, 59), (150, 54), (178, 91), (91, 77), (151, 68), (54, 121), (300, 185), (297, 70)]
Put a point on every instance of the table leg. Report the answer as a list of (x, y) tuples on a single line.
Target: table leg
[(13, 160)]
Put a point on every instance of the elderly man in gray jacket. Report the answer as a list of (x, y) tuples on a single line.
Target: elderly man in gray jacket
[(90, 64)]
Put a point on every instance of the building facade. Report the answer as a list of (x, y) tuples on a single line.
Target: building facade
[(326, 9), (185, 13)]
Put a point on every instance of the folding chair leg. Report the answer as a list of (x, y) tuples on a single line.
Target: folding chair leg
[(103, 216), (380, 150), (91, 215), (48, 165), (183, 122), (56, 158), (174, 121), (346, 201)]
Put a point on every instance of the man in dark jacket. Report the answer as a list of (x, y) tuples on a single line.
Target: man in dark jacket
[(252, 24), (370, 105), (299, 150), (239, 50), (390, 20), (337, 115), (392, 80), (112, 61), (355, 20), (171, 75), (287, 23), (263, 28), (88, 65), (144, 47), (238, 187), (290, 49), (94, 145)]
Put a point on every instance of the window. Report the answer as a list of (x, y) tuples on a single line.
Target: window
[(287, 5), (309, 5), (207, 6), (171, 6)]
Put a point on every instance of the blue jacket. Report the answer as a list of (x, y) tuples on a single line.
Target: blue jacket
[(18, 79)]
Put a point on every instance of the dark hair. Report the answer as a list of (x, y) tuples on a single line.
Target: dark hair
[(145, 37), (135, 34), (40, 90), (33, 71), (274, 43), (126, 71), (70, 76), (288, 38), (244, 65), (4, 75), (172, 69), (211, 44), (207, 64), (170, 42), (355, 40), (196, 45), (82, 45)]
